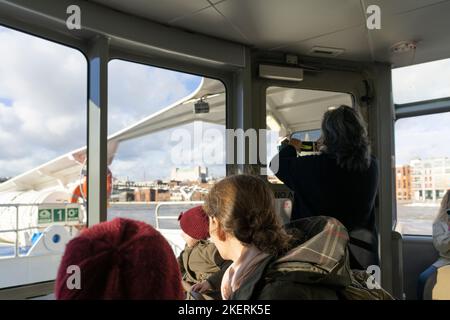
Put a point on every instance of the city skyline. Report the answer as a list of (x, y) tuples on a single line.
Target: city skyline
[(423, 179)]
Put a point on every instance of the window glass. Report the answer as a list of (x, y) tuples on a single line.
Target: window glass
[(43, 94), (425, 81), (167, 141), (298, 112), (423, 170)]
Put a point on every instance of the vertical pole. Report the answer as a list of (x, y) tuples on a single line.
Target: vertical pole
[(97, 130), (382, 113), (241, 117)]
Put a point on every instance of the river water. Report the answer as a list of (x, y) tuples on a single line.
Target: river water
[(146, 212), (412, 219)]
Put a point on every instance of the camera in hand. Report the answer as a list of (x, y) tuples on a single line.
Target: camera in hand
[(307, 146)]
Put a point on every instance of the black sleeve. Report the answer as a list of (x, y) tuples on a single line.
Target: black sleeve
[(215, 279), (285, 160)]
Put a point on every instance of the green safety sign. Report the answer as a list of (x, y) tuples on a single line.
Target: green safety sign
[(44, 216), (50, 215), (72, 214), (59, 215)]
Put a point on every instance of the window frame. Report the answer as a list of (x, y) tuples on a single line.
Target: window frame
[(282, 84), (219, 76), (227, 65), (412, 110), (30, 290), (100, 47)]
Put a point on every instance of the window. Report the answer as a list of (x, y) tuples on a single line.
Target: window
[(43, 94), (298, 112), (422, 144), (426, 81), (163, 152)]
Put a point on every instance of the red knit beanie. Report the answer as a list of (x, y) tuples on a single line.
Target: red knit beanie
[(119, 259), (195, 223)]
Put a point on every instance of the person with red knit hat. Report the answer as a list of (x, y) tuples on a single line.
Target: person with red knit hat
[(119, 259), (200, 263)]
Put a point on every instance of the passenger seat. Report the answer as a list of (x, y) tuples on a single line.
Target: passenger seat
[(437, 286)]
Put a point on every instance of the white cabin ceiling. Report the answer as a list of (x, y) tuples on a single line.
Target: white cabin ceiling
[(298, 25)]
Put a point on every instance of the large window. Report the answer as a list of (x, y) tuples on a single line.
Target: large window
[(297, 112), (422, 170), (167, 141), (43, 94), (426, 81)]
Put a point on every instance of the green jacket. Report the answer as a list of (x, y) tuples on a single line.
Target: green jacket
[(316, 268), (202, 262)]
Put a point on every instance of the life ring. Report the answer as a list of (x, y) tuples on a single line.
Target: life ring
[(77, 191)]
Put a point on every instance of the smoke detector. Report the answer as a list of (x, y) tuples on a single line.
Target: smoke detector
[(404, 46)]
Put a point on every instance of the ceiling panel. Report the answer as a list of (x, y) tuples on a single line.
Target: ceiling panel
[(210, 22), (297, 25), (429, 26), (271, 23), (156, 10), (392, 7)]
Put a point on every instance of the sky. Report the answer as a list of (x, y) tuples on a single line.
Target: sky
[(43, 108), (43, 92), (425, 136)]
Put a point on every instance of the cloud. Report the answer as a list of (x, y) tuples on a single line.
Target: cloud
[(43, 93), (43, 101), (136, 91), (422, 137), (150, 157), (421, 82)]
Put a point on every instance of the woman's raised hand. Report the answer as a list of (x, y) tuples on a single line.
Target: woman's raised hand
[(296, 143)]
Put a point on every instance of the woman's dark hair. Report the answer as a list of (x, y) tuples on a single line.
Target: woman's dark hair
[(344, 136), (244, 206)]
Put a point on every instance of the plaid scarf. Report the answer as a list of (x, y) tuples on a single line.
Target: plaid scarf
[(321, 241)]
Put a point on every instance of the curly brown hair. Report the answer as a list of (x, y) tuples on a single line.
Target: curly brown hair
[(244, 206), (344, 136)]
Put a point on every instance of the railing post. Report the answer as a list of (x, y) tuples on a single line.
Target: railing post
[(156, 215), (17, 231)]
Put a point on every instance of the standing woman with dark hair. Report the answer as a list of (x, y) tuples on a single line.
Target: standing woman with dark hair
[(340, 182)]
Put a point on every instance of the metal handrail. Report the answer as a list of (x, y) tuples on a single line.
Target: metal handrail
[(36, 226), (170, 203)]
